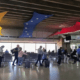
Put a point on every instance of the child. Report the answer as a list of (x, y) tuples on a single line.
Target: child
[(20, 59)]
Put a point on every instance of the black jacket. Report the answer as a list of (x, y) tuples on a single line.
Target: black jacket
[(59, 52), (15, 51), (73, 53), (65, 52)]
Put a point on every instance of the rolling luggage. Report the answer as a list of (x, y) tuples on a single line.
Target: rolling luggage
[(27, 64), (47, 63)]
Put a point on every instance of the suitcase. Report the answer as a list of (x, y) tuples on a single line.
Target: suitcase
[(27, 64), (47, 63)]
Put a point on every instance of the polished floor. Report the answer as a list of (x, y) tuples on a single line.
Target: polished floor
[(54, 72)]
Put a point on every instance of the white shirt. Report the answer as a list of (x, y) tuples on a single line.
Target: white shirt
[(40, 51)]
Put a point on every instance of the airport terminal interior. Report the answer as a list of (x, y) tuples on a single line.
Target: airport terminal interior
[(39, 40)]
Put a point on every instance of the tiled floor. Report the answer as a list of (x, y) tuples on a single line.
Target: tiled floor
[(63, 72)]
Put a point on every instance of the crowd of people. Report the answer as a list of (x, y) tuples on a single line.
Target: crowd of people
[(67, 56), (18, 54), (42, 55)]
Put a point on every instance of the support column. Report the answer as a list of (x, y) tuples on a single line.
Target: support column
[(61, 43)]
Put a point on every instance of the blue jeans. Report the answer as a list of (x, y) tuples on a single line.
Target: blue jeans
[(20, 60)]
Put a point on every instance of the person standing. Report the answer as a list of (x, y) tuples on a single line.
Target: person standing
[(43, 49), (16, 50), (20, 58), (59, 55), (74, 56), (78, 52), (39, 56), (6, 52), (65, 55), (44, 57), (1, 54)]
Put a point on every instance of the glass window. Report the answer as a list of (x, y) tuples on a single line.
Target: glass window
[(50, 47), (14, 45), (7, 47), (38, 45), (30, 47)]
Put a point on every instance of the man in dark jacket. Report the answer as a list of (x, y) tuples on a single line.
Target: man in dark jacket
[(16, 50), (59, 55), (73, 56)]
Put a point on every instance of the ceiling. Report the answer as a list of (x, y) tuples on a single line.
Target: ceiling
[(65, 13)]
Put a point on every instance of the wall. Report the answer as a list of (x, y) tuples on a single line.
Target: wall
[(30, 40), (11, 32), (18, 32)]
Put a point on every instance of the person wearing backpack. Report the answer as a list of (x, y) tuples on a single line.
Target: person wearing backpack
[(15, 51)]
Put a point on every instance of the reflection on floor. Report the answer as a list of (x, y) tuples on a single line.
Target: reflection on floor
[(54, 72)]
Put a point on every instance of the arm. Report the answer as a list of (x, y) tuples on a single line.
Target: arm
[(24, 53), (14, 50)]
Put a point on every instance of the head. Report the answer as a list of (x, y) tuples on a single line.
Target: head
[(40, 47), (25, 51), (49, 51), (60, 47), (17, 46), (2, 46)]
